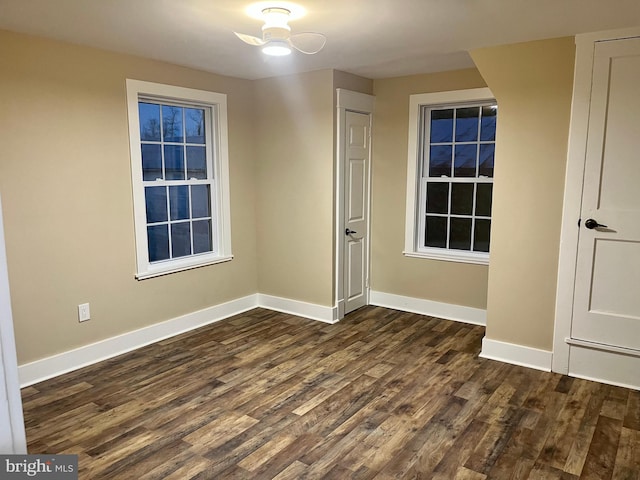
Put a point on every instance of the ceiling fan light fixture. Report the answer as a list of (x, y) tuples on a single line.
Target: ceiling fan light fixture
[(277, 39), (276, 18), (256, 10), (276, 48)]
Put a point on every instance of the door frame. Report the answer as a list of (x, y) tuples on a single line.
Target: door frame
[(349, 101), (15, 437), (572, 202)]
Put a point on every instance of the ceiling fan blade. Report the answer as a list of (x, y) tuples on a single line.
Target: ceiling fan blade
[(308, 42), (250, 39)]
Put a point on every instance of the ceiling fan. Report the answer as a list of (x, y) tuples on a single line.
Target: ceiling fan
[(276, 35)]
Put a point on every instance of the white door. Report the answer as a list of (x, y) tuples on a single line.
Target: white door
[(356, 210), (607, 288)]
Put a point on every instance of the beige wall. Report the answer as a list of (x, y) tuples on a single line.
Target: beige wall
[(352, 82), (532, 83), (294, 159), (391, 271), (66, 188)]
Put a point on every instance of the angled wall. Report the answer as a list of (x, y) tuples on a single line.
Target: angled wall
[(533, 83)]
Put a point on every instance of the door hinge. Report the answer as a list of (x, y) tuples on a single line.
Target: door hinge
[(579, 220)]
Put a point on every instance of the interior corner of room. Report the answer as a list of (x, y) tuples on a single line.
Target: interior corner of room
[(66, 191)]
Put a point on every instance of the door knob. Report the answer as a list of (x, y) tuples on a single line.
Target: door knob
[(349, 232), (591, 224)]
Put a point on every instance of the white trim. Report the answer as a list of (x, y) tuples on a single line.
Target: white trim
[(571, 204), (86, 355), (12, 437), (355, 101), (576, 154), (347, 100), (451, 256), (341, 308), (606, 35), (453, 96), (516, 354), (412, 223), (71, 360), (181, 268), (217, 145), (613, 368), (632, 352), (311, 311), (458, 313)]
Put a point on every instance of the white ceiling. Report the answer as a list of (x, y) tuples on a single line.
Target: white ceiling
[(372, 38)]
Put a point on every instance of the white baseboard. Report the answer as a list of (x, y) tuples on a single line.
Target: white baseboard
[(516, 354), (75, 359), (302, 309), (55, 365), (613, 368), (459, 313)]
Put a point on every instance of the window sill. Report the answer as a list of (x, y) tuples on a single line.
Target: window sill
[(160, 270), (449, 256)]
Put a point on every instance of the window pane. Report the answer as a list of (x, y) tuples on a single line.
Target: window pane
[(442, 125), (487, 153), (158, 238), (156, 200), (172, 123), (180, 239), (462, 198), (488, 123), (202, 236), (149, 121), (435, 234), (481, 236), (200, 201), (483, 199), (194, 119), (437, 197), (440, 161), (460, 238), (465, 162), (467, 124), (196, 162), (151, 162), (174, 162), (179, 202)]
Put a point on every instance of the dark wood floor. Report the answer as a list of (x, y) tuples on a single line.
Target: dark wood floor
[(382, 394)]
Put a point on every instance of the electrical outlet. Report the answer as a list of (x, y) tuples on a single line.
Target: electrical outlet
[(84, 313)]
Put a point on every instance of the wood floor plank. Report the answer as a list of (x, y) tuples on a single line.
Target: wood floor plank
[(556, 449), (627, 463), (632, 414), (383, 394), (601, 458)]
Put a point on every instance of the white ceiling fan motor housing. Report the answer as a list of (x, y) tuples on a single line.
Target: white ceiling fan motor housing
[(276, 25)]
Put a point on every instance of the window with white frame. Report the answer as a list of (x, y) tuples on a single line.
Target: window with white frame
[(179, 168), (450, 182)]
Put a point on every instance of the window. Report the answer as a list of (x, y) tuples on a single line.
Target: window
[(179, 168), (450, 175)]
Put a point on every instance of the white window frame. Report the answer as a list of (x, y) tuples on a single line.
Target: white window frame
[(216, 105), (414, 178)]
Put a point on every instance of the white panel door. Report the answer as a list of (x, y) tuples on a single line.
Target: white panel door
[(607, 289), (356, 215)]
